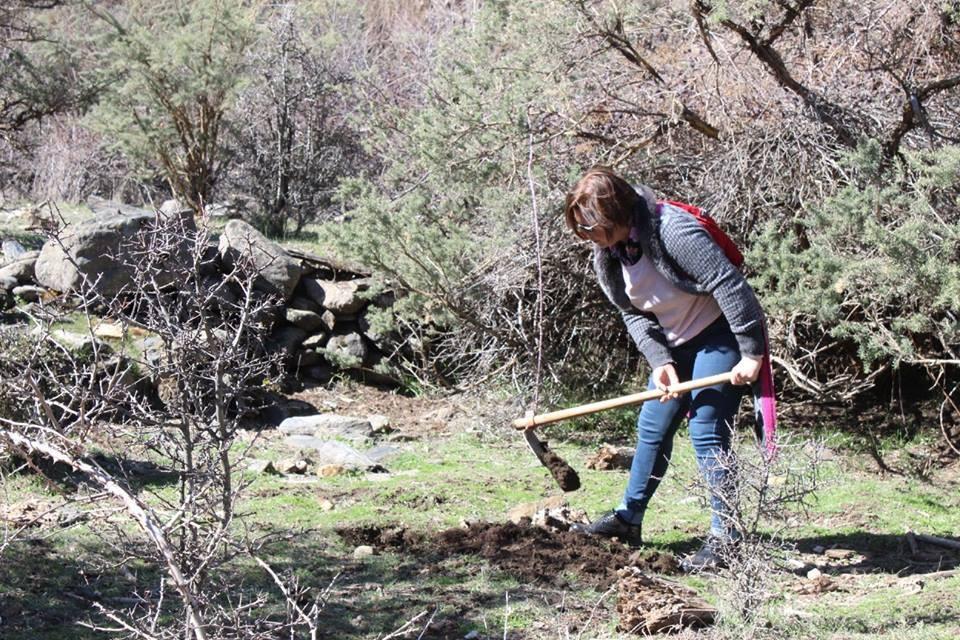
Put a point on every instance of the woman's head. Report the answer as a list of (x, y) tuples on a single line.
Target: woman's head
[(600, 206)]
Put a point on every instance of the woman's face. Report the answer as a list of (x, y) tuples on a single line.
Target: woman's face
[(604, 238)]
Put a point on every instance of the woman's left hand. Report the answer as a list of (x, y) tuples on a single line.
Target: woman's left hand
[(746, 371)]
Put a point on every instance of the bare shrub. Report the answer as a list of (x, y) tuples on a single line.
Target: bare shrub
[(764, 498), (191, 366)]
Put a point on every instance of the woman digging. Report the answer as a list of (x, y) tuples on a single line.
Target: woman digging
[(692, 314)]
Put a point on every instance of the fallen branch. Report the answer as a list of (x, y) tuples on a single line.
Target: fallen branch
[(141, 514), (937, 541)]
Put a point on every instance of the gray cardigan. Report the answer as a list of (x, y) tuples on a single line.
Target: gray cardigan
[(684, 252)]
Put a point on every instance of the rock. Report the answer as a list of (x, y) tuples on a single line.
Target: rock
[(315, 341), (319, 374), (326, 505), (559, 518), (330, 470), (152, 349), (108, 330), (278, 271), (306, 320), (261, 466), (340, 297), (331, 452), (347, 351), (293, 466), (288, 340), (329, 319), (814, 573), (379, 424), (819, 549), (8, 284), (93, 252), (80, 343), (22, 269), (382, 452), (797, 567), (609, 458), (328, 425), (307, 358), (473, 635), (839, 554), (29, 292), (13, 250), (363, 551), (304, 304), (529, 509)]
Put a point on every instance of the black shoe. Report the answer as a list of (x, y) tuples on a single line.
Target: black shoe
[(711, 556), (612, 526)]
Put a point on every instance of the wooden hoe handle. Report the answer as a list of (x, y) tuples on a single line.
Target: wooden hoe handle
[(614, 403)]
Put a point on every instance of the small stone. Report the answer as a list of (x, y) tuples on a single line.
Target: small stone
[(108, 330), (330, 470), (609, 458), (326, 505), (293, 466), (473, 635), (379, 424), (315, 341), (839, 554), (363, 551), (814, 574), (796, 567), (819, 549), (529, 509)]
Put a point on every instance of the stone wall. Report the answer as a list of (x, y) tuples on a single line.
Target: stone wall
[(322, 327)]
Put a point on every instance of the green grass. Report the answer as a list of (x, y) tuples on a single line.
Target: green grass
[(479, 476)]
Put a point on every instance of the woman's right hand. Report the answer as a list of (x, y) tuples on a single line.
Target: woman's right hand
[(666, 376)]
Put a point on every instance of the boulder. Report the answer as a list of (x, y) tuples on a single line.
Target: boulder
[(288, 340), (331, 452), (13, 250), (21, 269), (340, 297), (304, 304), (328, 425), (319, 374), (347, 350), (306, 320), (307, 358), (278, 271), (89, 253)]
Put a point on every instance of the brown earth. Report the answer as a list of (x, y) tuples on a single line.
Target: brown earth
[(562, 472), (531, 554)]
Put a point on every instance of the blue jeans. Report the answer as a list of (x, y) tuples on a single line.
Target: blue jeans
[(711, 411)]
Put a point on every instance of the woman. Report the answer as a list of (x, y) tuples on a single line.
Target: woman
[(691, 314)]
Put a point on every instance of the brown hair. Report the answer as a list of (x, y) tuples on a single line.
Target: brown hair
[(601, 198)]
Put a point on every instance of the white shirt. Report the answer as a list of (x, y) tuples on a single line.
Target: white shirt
[(682, 315)]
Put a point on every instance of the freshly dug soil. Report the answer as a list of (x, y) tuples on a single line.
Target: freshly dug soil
[(647, 605), (562, 472), (531, 554)]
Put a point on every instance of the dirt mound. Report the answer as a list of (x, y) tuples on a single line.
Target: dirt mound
[(532, 554), (647, 605)]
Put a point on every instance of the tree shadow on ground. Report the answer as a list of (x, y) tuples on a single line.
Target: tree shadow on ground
[(44, 595), (880, 553)]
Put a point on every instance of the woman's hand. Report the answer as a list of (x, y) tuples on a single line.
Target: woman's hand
[(665, 376), (746, 371)]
